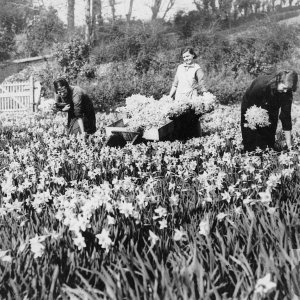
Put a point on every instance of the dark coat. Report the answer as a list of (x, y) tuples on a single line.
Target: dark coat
[(261, 94), (81, 107)]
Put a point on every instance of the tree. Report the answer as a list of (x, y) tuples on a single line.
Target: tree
[(208, 6), (14, 17), (157, 6), (45, 30), (98, 12), (73, 56), (128, 15), (88, 21), (244, 6), (112, 4), (225, 9), (169, 6), (71, 9)]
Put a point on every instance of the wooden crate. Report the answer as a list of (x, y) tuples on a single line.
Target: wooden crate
[(163, 133)]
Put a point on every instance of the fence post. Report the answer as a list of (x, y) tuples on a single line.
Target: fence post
[(31, 86)]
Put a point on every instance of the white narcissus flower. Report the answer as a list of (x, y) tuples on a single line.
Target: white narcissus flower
[(161, 212), (226, 196), (204, 227), (272, 210), (265, 197), (104, 240), (264, 285), (4, 257), (221, 216), (111, 220), (126, 208), (36, 246), (153, 238), (163, 224), (179, 234), (174, 199), (273, 180), (79, 241)]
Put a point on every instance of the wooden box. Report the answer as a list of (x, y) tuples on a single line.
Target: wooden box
[(163, 133)]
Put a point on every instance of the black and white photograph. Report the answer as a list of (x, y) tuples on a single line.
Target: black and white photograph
[(149, 150)]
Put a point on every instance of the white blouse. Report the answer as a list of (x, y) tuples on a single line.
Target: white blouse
[(187, 79)]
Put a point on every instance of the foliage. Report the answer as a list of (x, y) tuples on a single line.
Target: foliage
[(130, 41), (72, 56), (45, 30), (121, 80), (227, 87), (6, 43), (262, 45), (14, 16), (186, 23)]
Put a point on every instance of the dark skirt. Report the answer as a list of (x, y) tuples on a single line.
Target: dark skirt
[(89, 127)]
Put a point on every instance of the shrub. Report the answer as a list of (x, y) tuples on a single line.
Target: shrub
[(121, 80), (264, 44), (45, 30), (72, 56), (226, 87), (135, 40)]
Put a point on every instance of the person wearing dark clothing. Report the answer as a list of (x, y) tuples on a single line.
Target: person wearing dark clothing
[(272, 92), (75, 101)]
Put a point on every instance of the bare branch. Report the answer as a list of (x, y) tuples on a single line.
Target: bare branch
[(170, 5)]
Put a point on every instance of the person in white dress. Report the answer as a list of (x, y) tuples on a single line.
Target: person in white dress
[(187, 83), (189, 77)]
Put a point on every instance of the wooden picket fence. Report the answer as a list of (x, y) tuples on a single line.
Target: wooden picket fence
[(17, 96)]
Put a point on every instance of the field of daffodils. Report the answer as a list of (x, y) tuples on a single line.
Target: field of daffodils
[(198, 219)]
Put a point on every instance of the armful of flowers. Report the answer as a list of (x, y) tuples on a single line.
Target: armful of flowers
[(256, 117)]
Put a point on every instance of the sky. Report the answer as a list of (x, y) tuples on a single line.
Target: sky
[(141, 8)]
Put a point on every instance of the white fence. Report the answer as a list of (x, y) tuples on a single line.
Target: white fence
[(17, 96)]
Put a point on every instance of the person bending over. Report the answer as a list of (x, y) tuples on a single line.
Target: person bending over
[(272, 92), (75, 101)]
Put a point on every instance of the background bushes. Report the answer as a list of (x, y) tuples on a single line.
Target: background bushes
[(145, 62)]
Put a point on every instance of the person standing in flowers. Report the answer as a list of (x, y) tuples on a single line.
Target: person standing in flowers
[(272, 92), (187, 82), (75, 101), (189, 77)]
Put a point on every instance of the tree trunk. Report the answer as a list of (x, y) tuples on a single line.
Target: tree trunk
[(128, 15), (88, 21), (71, 8), (98, 12), (155, 9), (112, 4)]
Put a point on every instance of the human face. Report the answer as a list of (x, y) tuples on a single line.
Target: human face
[(282, 88), (62, 91), (188, 58)]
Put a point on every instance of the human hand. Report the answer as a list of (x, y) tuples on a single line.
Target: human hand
[(66, 108), (54, 108)]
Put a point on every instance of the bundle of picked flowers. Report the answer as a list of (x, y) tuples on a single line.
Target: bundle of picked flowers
[(256, 117), (197, 105), (146, 112)]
